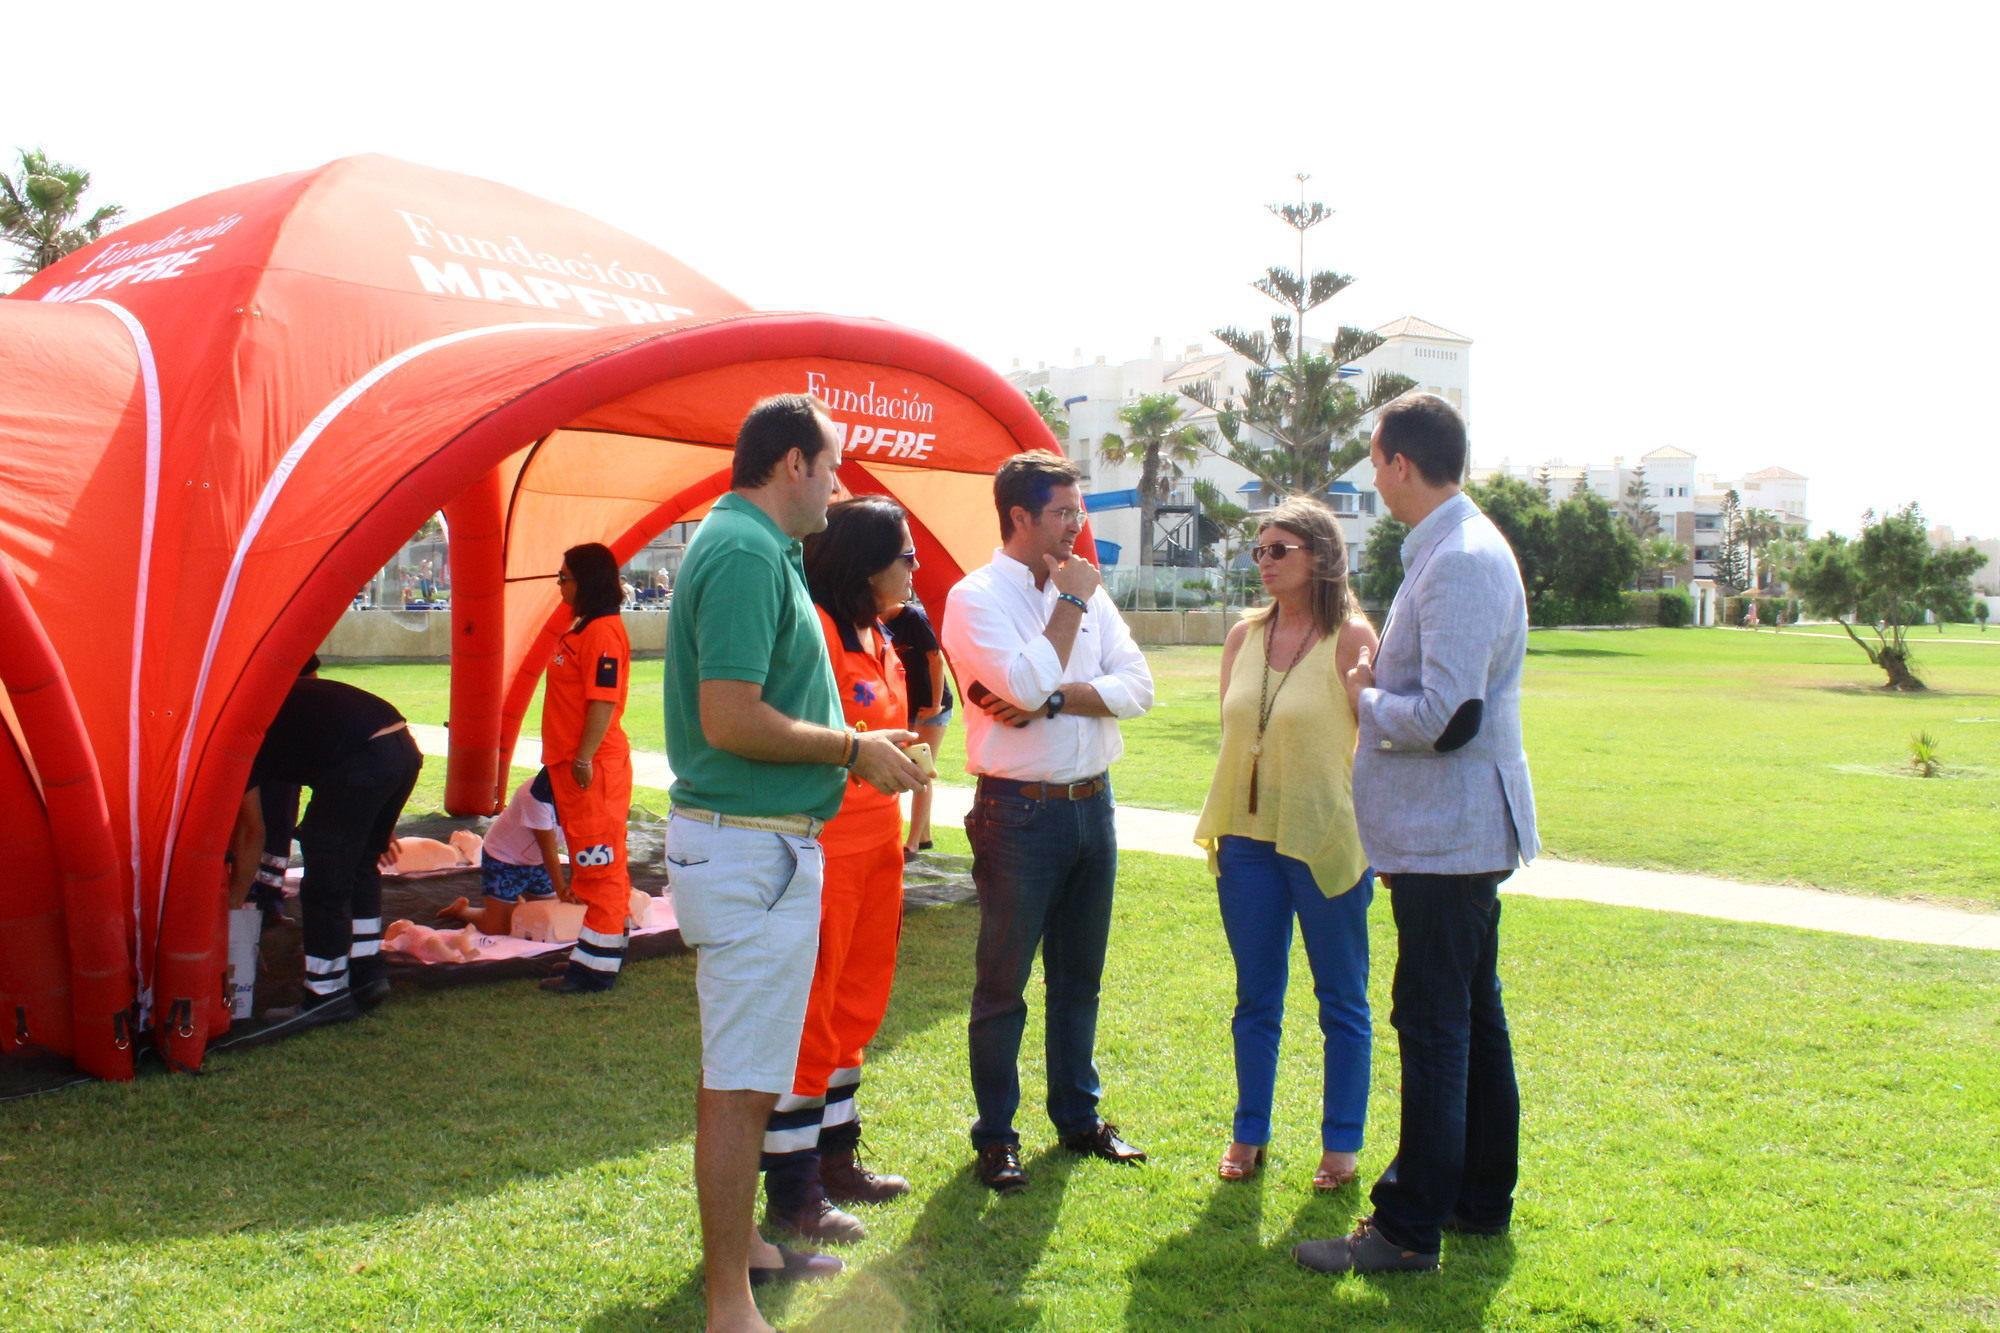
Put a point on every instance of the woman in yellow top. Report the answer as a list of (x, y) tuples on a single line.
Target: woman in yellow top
[(1279, 828)]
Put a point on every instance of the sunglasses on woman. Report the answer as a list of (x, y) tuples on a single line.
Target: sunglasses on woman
[(1273, 551)]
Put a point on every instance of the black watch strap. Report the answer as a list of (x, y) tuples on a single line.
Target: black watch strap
[(1056, 702)]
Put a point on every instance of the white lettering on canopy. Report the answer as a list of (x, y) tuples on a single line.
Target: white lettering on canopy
[(538, 292), (886, 441), (151, 269)]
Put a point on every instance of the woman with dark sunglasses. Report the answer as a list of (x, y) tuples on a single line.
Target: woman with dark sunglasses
[(859, 570), (1279, 828), (589, 762)]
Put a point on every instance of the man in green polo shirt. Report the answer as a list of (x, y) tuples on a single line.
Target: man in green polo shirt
[(760, 759)]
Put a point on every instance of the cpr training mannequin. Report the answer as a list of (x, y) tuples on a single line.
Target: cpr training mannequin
[(545, 919), (431, 946), (416, 856)]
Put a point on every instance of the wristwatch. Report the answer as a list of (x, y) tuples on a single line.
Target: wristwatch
[(1055, 703)]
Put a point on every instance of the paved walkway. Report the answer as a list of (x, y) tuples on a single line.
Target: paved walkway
[(1168, 832)]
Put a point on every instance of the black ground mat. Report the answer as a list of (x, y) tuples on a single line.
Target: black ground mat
[(929, 880)]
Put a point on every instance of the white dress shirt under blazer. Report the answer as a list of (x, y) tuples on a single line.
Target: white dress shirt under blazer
[(993, 627)]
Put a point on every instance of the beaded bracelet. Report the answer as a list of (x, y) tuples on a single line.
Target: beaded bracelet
[(1073, 600)]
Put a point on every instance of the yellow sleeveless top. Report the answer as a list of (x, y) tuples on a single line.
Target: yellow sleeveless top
[(1305, 774)]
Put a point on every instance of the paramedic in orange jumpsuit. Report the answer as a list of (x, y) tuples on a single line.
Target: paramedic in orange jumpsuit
[(589, 763), (858, 569)]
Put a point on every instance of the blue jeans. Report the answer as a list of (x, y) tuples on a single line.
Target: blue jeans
[(1044, 872), (1260, 892), (1461, 1124)]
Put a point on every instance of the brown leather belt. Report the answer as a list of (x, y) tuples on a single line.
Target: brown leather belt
[(1051, 791)]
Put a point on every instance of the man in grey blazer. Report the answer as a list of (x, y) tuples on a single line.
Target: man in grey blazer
[(1446, 811)]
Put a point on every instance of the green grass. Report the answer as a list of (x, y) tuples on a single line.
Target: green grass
[(1762, 757), (1725, 1126)]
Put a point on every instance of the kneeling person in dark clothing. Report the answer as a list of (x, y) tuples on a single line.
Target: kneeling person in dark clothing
[(356, 753)]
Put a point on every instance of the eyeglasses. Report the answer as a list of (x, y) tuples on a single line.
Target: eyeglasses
[(1274, 551), (1067, 513), (564, 576), (909, 558)]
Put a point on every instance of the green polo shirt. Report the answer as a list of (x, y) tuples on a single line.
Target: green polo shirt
[(741, 611)]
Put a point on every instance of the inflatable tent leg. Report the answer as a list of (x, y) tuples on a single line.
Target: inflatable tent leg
[(474, 781), (98, 928)]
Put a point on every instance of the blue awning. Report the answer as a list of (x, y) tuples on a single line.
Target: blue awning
[(1343, 488), (1250, 487), (1103, 500)]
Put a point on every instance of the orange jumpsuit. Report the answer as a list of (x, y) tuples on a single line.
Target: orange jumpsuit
[(861, 903), (592, 663)]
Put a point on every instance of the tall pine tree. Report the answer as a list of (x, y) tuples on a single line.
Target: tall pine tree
[(1297, 426)]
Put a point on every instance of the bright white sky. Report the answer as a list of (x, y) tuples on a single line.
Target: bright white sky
[(1762, 232)]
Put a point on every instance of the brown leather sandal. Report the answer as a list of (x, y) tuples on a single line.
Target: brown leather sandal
[(1240, 1168)]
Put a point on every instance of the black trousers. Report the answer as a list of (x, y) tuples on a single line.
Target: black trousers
[(346, 828), (1461, 1116)]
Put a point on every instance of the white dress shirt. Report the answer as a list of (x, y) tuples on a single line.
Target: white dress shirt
[(993, 634)]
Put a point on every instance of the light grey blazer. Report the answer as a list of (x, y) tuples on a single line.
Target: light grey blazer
[(1441, 782)]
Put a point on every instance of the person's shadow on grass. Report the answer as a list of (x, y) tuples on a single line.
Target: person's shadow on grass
[(966, 1261), (1218, 1272)]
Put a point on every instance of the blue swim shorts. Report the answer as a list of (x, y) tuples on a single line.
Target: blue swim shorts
[(509, 883)]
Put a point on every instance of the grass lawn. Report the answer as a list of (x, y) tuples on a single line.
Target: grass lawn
[(1762, 756), (1726, 1126)]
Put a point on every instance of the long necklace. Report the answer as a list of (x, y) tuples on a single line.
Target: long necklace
[(1267, 698)]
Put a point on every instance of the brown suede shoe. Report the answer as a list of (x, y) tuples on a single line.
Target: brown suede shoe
[(847, 1181), (1365, 1250), (999, 1168), (817, 1219)]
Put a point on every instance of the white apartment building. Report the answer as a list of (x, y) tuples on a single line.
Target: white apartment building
[(1094, 393), (1688, 501), (1985, 579)]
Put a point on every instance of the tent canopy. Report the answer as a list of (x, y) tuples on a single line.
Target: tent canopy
[(216, 424)]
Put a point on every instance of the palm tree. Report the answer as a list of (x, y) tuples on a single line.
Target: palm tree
[(1760, 527), (1229, 521), (38, 211), (1660, 553), (1053, 414), (1163, 446)]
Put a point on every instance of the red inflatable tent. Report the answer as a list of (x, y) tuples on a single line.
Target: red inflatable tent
[(217, 424)]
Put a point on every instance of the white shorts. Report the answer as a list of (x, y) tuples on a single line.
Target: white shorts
[(748, 904)]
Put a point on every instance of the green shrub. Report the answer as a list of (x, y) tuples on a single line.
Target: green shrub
[(1550, 611), (1676, 608), (1924, 755)]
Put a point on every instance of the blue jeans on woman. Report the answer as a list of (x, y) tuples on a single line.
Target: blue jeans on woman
[(1260, 892)]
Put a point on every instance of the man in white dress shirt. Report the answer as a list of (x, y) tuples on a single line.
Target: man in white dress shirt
[(1045, 657)]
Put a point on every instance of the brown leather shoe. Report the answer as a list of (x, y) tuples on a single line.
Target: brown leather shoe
[(999, 1168), (1364, 1250), (817, 1219), (1104, 1142), (847, 1181)]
